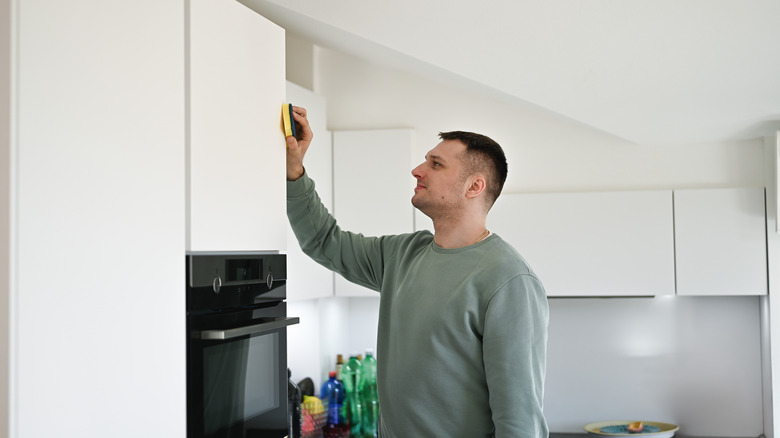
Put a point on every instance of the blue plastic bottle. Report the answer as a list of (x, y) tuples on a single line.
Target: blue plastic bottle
[(334, 393)]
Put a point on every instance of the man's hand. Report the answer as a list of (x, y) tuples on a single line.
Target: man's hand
[(297, 147)]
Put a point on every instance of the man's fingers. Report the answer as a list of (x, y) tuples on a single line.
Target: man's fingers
[(299, 116), (299, 110)]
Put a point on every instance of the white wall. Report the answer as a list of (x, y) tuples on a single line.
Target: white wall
[(682, 350), (545, 152), (303, 341), (694, 362), (325, 330)]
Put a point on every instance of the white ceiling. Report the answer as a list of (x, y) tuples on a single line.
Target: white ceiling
[(648, 71)]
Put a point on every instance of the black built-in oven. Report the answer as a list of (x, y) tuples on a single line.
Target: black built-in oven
[(237, 346)]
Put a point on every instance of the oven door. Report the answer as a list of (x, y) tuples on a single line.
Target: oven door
[(237, 374)]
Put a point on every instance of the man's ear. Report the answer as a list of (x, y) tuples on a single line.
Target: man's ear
[(476, 187)]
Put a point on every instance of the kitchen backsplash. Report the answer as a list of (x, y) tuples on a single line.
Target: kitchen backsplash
[(691, 361)]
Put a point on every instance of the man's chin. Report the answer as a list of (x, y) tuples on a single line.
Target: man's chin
[(421, 206)]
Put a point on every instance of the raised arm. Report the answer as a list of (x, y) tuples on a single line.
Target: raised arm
[(354, 256)]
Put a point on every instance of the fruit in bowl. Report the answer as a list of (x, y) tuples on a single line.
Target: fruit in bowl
[(635, 426), (620, 429)]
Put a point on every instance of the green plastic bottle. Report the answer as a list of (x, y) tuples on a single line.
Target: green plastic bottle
[(352, 374), (370, 396)]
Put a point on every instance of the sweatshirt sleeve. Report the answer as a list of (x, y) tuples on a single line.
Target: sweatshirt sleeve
[(515, 351), (356, 257)]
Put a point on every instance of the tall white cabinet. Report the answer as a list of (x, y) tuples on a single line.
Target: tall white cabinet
[(236, 145), (97, 199), (96, 235)]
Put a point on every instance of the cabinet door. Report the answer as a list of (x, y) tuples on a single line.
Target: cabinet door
[(236, 145), (720, 237), (592, 244), (306, 278), (97, 210), (372, 187)]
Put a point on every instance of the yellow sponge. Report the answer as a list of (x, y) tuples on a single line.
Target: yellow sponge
[(288, 120)]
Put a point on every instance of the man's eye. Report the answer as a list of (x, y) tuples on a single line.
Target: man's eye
[(435, 164)]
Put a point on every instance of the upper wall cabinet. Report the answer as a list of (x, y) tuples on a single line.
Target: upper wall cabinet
[(307, 279), (592, 244), (236, 146), (720, 237), (372, 187)]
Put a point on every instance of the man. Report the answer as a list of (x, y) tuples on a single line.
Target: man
[(462, 333)]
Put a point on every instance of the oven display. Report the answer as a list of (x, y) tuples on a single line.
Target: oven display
[(244, 269)]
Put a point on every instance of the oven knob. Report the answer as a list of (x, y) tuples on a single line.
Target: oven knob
[(269, 280), (216, 284)]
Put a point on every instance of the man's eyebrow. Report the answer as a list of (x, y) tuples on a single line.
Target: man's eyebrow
[(434, 157)]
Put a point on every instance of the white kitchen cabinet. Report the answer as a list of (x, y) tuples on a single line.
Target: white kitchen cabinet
[(307, 279), (97, 179), (592, 244), (236, 145), (720, 237), (372, 187)]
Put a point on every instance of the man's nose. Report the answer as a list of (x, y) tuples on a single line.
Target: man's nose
[(416, 172)]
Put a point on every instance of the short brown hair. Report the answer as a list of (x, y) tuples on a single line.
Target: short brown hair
[(482, 154)]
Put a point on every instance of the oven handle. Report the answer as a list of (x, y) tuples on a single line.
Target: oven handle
[(269, 326)]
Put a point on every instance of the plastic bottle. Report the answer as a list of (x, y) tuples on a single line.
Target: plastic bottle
[(370, 396), (352, 374), (353, 380), (356, 409), (333, 391), (369, 368), (339, 367), (327, 386)]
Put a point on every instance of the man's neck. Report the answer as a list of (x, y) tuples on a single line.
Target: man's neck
[(457, 234)]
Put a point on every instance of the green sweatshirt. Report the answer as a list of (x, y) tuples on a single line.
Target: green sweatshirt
[(462, 335)]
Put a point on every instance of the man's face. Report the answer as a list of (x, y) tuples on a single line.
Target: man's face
[(440, 187)]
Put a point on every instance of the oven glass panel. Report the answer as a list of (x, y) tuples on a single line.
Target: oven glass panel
[(240, 381)]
